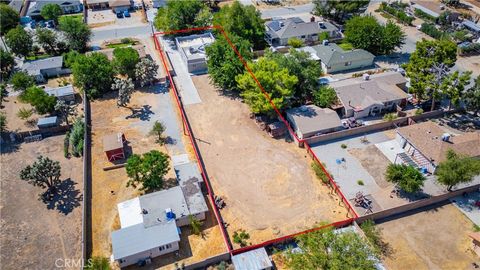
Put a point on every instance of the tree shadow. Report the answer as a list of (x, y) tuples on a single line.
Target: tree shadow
[(143, 113), (64, 199), (169, 140), (6, 148)]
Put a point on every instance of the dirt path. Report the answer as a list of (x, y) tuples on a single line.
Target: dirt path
[(267, 184)]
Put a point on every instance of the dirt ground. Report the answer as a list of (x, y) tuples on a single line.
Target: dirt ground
[(374, 161), (35, 233), (434, 239), (267, 184)]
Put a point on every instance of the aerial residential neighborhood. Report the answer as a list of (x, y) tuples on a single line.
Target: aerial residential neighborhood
[(240, 134)]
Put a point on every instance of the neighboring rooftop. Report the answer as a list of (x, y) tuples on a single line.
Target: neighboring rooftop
[(52, 120), (112, 141), (61, 91), (34, 67), (332, 54), (189, 179), (119, 3), (157, 203), (256, 259), (35, 7), (295, 27), (194, 45), (427, 138), (311, 118), (379, 88), (16, 5), (431, 7), (138, 238)]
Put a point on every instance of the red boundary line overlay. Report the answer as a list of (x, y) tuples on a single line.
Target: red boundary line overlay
[(197, 156)]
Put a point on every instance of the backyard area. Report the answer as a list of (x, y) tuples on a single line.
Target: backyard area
[(433, 239), (267, 184), (35, 233)]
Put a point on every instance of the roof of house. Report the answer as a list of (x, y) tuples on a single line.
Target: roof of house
[(295, 27), (475, 236), (130, 212), (426, 137), (119, 3), (194, 45), (189, 179), (156, 203), (62, 91), (93, 2), (137, 238), (332, 54), (256, 259), (35, 7), (35, 67), (311, 118), (432, 8), (471, 25), (112, 142), (47, 121), (16, 5), (358, 94)]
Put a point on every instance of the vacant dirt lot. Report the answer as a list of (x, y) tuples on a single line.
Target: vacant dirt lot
[(267, 184), (434, 239), (36, 233), (374, 162)]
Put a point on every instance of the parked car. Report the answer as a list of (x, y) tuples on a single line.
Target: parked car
[(119, 15), (126, 13)]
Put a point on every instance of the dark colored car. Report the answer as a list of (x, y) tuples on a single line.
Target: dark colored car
[(119, 15), (126, 13)]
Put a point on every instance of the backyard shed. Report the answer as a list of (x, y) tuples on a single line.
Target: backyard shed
[(47, 122), (113, 146), (256, 259), (310, 120), (64, 93)]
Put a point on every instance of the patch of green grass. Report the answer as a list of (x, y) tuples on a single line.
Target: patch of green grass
[(319, 172), (121, 45), (346, 46), (360, 182), (76, 16), (476, 228), (37, 57)]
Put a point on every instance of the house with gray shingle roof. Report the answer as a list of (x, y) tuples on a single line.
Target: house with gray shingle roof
[(67, 6), (280, 31), (42, 69), (335, 59)]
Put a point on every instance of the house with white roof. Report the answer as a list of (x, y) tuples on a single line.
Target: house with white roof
[(192, 50)]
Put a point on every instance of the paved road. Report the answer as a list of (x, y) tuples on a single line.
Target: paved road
[(287, 11), (113, 33)]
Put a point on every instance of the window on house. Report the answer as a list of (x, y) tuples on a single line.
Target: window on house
[(161, 248), (168, 246), (303, 36)]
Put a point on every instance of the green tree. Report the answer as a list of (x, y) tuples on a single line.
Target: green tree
[(51, 12), (98, 263), (93, 73), (39, 99), (295, 42), (3, 121), (146, 71), (157, 130), (77, 137), (177, 15), (125, 60), (457, 169), (408, 178), (196, 225), (324, 97), (240, 237), (453, 87), (152, 168), (337, 10), (19, 41), (65, 110), (125, 89), (326, 249), (419, 68), (44, 173), (374, 236), (76, 32), (243, 21), (364, 32), (9, 18), (472, 97), (21, 81), (24, 113), (47, 39), (7, 63), (390, 117), (224, 64), (276, 81), (69, 58)]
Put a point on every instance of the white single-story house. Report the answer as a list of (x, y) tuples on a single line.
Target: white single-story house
[(310, 120), (67, 6), (256, 259), (192, 50), (43, 69), (335, 59), (371, 95), (65, 93)]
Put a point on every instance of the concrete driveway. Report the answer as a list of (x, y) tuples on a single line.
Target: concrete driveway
[(292, 11)]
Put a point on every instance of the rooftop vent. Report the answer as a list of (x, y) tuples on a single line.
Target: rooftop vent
[(366, 76), (446, 137)]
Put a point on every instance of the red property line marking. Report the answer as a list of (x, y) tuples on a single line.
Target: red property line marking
[(210, 191)]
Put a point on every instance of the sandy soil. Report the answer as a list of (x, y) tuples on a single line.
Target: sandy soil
[(267, 184), (434, 239), (374, 162), (262, 5), (11, 106), (35, 234)]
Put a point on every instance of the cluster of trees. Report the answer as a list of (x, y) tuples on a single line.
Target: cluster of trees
[(406, 177), (396, 9), (147, 170), (178, 15), (365, 32), (338, 10), (428, 70)]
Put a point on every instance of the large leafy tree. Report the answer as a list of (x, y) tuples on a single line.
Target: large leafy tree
[(39, 99), (224, 64), (19, 41), (76, 32), (406, 177), (125, 60), (44, 173), (472, 97), (76, 137), (324, 97), (65, 110), (47, 39), (457, 169), (178, 15), (326, 249), (21, 81), (93, 73), (147, 170), (337, 10), (365, 32), (9, 18), (276, 81), (243, 21), (427, 55), (453, 87), (7, 63), (146, 71), (51, 12)]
